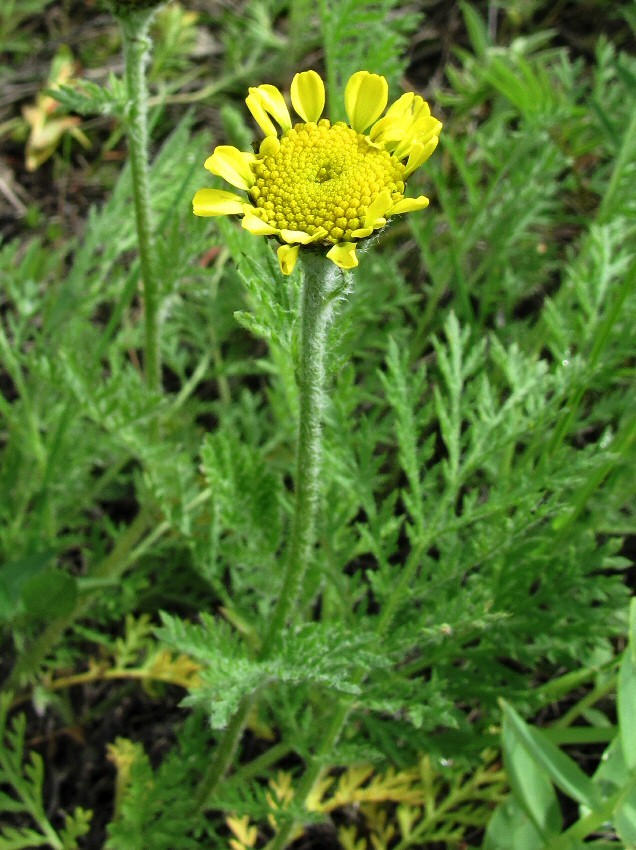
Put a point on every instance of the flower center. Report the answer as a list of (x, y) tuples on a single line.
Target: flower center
[(323, 176)]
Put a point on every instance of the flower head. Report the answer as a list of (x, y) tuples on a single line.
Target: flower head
[(320, 184)]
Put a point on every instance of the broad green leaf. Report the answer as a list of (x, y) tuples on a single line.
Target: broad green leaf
[(51, 594), (511, 827), (625, 818), (611, 776), (611, 772), (600, 733), (13, 577), (626, 699), (563, 771), (626, 696), (530, 783), (632, 629)]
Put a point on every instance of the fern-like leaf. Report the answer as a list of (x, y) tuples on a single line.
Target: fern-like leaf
[(89, 98), (363, 34)]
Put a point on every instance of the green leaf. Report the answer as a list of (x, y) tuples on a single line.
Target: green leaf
[(364, 34), (25, 779), (530, 784), (632, 628), (625, 818), (20, 839), (9, 804), (246, 490), (327, 655), (88, 98), (76, 825), (563, 771), (511, 827), (51, 594), (626, 696), (477, 29), (612, 775), (626, 699), (13, 577), (155, 809)]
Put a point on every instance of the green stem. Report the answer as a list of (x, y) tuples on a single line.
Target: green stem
[(224, 753), (136, 43), (333, 731), (262, 764), (328, 739), (586, 702), (320, 281)]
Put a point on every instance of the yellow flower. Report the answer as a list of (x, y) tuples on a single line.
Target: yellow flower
[(320, 184)]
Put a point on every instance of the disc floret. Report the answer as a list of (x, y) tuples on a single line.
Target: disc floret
[(319, 183)]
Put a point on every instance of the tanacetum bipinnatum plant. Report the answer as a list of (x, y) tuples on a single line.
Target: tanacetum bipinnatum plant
[(320, 187), (322, 537)]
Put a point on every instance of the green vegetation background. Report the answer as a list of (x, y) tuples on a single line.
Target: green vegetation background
[(479, 433)]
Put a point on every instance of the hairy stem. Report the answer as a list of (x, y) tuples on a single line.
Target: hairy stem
[(224, 753), (320, 279), (136, 43), (317, 302)]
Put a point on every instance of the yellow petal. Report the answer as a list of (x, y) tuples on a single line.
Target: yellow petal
[(344, 255), (299, 236), (366, 96), (407, 205), (377, 208), (318, 235), (362, 232), (419, 154), (260, 116), (427, 127), (269, 146), (217, 202), (420, 131), (406, 121), (267, 100), (396, 121), (287, 256), (274, 102), (401, 105), (387, 129), (232, 165), (308, 95), (421, 109), (256, 225)]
